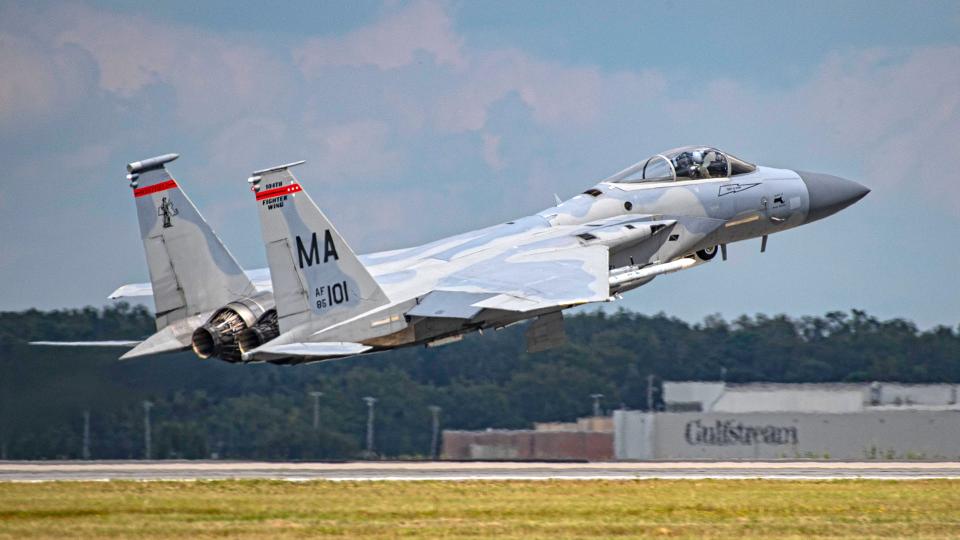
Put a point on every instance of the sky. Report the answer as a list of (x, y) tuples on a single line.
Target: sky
[(425, 119)]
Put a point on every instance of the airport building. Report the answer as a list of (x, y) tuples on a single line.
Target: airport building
[(716, 420), (588, 439), (713, 420)]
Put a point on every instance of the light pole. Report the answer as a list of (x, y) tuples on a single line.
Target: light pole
[(316, 409), (146, 429), (435, 430), (596, 403), (370, 403), (650, 392), (86, 435)]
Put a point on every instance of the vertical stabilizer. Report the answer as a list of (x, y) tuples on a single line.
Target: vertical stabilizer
[(316, 276), (191, 270)]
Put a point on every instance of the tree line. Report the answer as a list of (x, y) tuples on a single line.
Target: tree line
[(204, 409)]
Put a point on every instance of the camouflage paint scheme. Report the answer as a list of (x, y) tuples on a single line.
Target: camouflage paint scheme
[(319, 300), (579, 251)]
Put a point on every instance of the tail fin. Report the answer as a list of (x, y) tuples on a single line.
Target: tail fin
[(191, 270), (316, 276)]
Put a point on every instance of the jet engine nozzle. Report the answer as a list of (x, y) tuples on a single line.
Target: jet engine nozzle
[(206, 341), (266, 329), (218, 337)]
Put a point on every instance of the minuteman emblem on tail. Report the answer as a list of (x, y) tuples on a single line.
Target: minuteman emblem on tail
[(316, 276), (167, 210)]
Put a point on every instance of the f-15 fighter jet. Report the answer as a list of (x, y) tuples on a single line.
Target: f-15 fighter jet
[(668, 213)]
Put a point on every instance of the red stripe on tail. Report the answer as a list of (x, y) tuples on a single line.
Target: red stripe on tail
[(156, 188), (278, 192)]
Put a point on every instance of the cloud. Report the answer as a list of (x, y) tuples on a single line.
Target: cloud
[(391, 43), (41, 80), (407, 120), (491, 151), (898, 110), (253, 141), (358, 148), (890, 117), (463, 83), (213, 78), (556, 94)]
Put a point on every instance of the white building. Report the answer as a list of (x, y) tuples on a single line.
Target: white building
[(698, 396), (708, 420)]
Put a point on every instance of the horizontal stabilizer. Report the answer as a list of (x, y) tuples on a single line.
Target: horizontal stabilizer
[(171, 339), (332, 349), (112, 343), (132, 290), (259, 276)]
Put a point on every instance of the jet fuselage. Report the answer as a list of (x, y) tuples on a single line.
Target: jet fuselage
[(707, 213)]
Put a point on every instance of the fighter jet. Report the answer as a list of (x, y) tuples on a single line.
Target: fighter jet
[(670, 212)]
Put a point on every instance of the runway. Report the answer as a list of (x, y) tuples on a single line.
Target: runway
[(35, 471)]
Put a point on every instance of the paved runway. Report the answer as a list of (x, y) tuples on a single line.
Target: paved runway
[(22, 471)]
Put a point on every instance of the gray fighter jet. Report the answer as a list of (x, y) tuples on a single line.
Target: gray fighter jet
[(668, 213)]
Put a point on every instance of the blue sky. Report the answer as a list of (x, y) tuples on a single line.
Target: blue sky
[(422, 119)]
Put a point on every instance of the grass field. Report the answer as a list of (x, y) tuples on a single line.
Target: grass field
[(503, 509)]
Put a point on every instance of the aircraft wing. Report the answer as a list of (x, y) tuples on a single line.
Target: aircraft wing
[(557, 272), (560, 267)]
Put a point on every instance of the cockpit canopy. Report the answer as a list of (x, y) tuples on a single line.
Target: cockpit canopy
[(686, 163)]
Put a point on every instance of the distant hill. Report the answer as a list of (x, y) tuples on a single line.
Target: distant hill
[(210, 408)]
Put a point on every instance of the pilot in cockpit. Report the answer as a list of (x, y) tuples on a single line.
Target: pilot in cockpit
[(708, 159), (688, 164), (700, 163)]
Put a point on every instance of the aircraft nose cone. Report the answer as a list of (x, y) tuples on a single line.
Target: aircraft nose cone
[(829, 194)]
